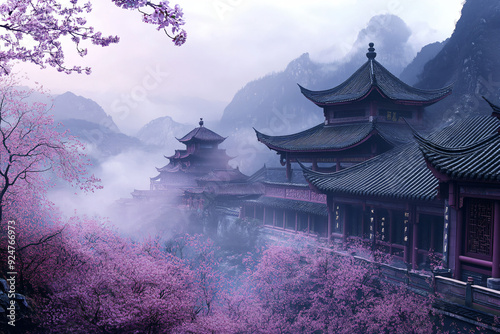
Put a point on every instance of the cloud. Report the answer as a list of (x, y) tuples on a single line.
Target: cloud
[(230, 42)]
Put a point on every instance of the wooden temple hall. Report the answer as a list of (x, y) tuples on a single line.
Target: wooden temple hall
[(371, 172)]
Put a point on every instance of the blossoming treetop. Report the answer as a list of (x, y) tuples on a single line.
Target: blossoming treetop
[(32, 31)]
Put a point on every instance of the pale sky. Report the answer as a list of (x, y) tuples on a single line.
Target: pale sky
[(230, 42)]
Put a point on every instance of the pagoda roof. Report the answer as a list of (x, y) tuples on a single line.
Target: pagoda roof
[(168, 168), (277, 176), (467, 150), (372, 76), (399, 173), (233, 189), (289, 204), (224, 175), (215, 154), (336, 137), (202, 134), (179, 154), (496, 109)]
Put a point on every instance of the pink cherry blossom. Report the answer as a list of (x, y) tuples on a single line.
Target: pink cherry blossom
[(33, 31)]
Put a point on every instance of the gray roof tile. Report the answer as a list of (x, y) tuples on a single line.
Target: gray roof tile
[(469, 149), (398, 173), (372, 76), (288, 204), (336, 137)]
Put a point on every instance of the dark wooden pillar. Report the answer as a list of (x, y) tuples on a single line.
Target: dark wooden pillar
[(414, 253), (446, 234), (288, 168), (331, 216), (433, 234), (458, 243), (389, 229), (496, 242), (284, 218), (344, 223), (372, 227), (406, 237), (296, 220), (337, 166), (315, 165), (274, 217), (264, 215)]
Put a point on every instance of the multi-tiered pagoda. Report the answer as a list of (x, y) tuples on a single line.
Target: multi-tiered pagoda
[(420, 197), (364, 116), (201, 156), (367, 171), (200, 174)]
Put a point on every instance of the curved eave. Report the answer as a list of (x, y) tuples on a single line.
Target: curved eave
[(434, 155), (194, 140), (374, 87), (317, 184), (494, 107), (262, 138)]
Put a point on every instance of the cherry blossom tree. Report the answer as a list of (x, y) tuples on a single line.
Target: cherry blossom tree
[(111, 285), (34, 31), (316, 291), (30, 147)]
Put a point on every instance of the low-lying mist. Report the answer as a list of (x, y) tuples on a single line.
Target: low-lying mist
[(120, 175)]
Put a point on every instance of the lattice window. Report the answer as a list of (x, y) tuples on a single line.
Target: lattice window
[(479, 227)]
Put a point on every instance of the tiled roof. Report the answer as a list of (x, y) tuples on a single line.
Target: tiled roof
[(218, 154), (236, 189), (201, 133), (399, 173), (224, 175), (169, 168), (373, 76), (335, 137), (179, 154), (469, 149), (288, 204), (277, 175), (496, 109)]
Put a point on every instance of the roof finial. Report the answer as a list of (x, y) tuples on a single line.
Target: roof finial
[(201, 122), (371, 52)]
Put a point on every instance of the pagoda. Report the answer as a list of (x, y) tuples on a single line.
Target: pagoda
[(201, 156), (371, 117), (366, 115)]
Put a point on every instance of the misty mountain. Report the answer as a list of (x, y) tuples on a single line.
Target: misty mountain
[(101, 141), (71, 106), (390, 35), (470, 60), (162, 132), (274, 105), (412, 73)]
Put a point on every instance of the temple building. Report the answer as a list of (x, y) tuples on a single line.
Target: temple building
[(288, 203), (201, 156), (417, 196), (372, 112), (466, 165), (200, 175), (363, 118)]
